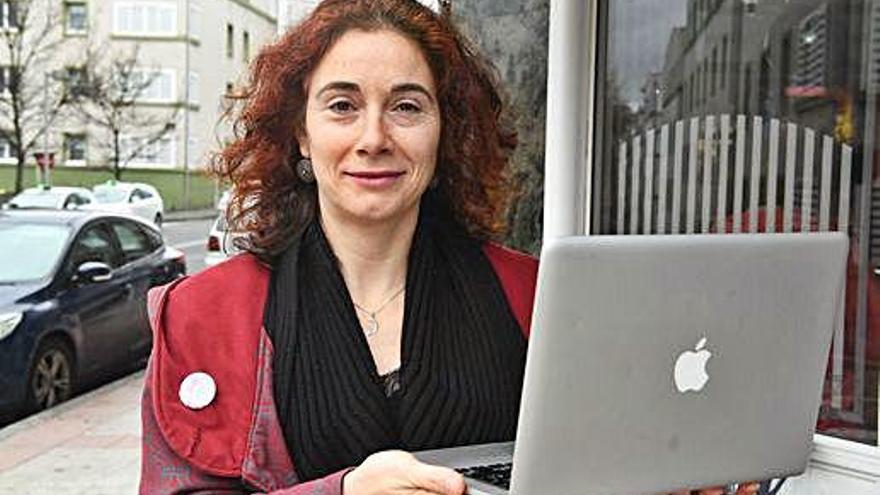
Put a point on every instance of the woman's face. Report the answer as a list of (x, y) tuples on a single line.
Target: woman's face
[(372, 127)]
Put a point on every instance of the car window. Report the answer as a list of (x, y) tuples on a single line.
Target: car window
[(93, 244), (105, 194), (134, 242)]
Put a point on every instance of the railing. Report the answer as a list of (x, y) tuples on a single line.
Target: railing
[(659, 172)]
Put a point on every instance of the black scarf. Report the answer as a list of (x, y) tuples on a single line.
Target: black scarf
[(462, 353)]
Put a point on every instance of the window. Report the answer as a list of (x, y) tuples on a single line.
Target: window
[(75, 17), (145, 18), (74, 149), (194, 20), (7, 153), (230, 41), (135, 244), (246, 47), (93, 244), (788, 146), (8, 14), (5, 81), (156, 153), (75, 82), (161, 87)]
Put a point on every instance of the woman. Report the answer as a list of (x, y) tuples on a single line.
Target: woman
[(371, 315)]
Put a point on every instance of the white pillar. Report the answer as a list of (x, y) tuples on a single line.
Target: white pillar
[(570, 87)]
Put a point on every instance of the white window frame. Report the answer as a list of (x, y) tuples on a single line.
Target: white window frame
[(6, 153), (193, 26), (171, 74), (67, 5), (139, 161), (75, 162), (4, 16), (145, 6)]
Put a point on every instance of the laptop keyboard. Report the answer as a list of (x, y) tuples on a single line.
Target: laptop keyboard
[(494, 474)]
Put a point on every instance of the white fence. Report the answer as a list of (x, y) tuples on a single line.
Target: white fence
[(677, 180)]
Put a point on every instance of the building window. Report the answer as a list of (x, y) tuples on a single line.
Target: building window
[(74, 149), (8, 14), (75, 83), (723, 62), (145, 18), (246, 47), (75, 17), (230, 41), (157, 153), (5, 81), (193, 20), (160, 85), (7, 153)]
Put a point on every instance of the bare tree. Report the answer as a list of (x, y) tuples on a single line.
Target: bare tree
[(30, 102), (109, 96)]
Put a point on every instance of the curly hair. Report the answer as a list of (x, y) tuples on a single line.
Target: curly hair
[(270, 203)]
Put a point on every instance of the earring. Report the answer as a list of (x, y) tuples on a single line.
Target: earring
[(304, 171)]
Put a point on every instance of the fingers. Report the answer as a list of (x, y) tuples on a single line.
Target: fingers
[(436, 479)]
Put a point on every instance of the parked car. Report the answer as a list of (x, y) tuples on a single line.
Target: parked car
[(73, 288), (56, 198), (133, 198), (221, 241)]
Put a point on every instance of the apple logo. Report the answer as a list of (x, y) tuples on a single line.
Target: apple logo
[(690, 368)]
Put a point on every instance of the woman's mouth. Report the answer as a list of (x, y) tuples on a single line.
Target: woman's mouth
[(375, 179)]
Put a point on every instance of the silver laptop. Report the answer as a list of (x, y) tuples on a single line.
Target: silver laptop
[(666, 362)]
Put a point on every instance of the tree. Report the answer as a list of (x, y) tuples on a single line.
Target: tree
[(109, 96), (30, 102)]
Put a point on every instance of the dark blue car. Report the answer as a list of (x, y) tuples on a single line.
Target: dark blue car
[(73, 300)]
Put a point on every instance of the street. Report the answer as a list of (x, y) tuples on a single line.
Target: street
[(90, 444)]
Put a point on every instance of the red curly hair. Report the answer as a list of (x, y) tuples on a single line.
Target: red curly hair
[(270, 203)]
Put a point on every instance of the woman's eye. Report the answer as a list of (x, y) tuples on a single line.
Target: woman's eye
[(407, 107), (341, 106)]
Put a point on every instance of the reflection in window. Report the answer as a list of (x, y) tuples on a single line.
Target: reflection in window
[(752, 116)]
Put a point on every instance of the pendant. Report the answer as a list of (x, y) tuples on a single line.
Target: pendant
[(371, 326)]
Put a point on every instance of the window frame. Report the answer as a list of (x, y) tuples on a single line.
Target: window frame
[(68, 138), (119, 8), (68, 31)]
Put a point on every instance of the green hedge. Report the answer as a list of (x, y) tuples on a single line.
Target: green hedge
[(170, 183)]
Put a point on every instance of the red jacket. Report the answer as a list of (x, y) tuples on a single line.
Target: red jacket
[(212, 322)]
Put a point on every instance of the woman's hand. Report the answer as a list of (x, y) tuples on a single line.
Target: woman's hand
[(744, 489), (395, 472)]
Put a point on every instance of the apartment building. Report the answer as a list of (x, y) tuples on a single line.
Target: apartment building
[(192, 52)]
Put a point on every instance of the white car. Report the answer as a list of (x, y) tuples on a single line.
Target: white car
[(221, 243), (134, 198), (55, 198)]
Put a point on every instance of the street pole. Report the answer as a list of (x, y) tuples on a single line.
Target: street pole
[(45, 168), (186, 92)]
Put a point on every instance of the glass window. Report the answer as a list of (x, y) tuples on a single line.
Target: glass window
[(154, 85), (145, 18), (246, 47), (74, 148), (75, 82), (29, 251), (8, 14), (146, 151), (193, 82), (230, 41), (75, 17), (773, 133), (6, 151), (133, 241), (92, 244)]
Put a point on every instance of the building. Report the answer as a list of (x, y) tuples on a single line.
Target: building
[(191, 52)]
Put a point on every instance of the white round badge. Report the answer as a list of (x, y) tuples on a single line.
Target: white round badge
[(197, 390)]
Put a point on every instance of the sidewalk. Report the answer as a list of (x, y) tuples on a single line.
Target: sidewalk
[(89, 445)]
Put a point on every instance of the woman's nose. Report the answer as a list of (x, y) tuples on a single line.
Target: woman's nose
[(374, 138)]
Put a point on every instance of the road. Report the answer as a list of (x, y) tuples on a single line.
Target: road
[(191, 237)]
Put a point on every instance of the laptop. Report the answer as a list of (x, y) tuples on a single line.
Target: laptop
[(658, 363)]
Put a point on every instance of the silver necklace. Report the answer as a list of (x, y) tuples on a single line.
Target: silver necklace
[(371, 326)]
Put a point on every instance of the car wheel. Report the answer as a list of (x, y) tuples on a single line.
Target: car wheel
[(158, 220), (51, 379)]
